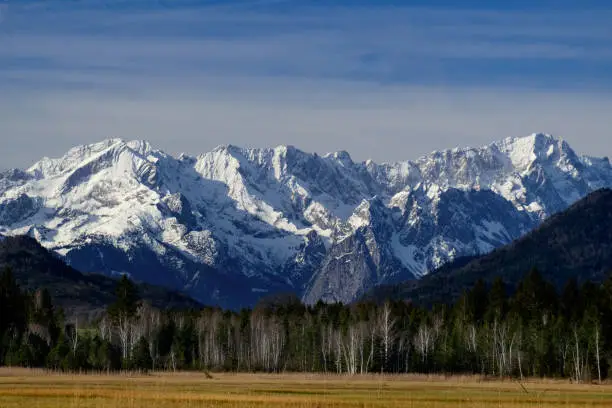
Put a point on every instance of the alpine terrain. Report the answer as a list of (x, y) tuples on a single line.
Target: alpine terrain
[(573, 245), (233, 225)]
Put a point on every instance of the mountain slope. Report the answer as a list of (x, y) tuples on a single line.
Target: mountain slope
[(35, 268), (232, 225), (576, 243)]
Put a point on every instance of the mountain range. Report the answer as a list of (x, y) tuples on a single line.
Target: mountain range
[(233, 225), (575, 244)]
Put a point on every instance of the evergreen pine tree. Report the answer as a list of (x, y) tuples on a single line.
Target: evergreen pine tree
[(127, 301), (141, 357)]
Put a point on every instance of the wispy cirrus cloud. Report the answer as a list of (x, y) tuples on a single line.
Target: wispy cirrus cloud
[(378, 80)]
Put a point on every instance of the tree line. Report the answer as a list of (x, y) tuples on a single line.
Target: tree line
[(535, 331)]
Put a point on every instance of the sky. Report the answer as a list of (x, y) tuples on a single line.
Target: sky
[(385, 80)]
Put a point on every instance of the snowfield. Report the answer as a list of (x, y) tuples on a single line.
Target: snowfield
[(234, 224)]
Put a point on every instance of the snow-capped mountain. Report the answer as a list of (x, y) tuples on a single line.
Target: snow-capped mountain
[(234, 224)]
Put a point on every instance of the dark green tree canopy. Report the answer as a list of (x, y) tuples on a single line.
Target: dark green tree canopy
[(127, 302)]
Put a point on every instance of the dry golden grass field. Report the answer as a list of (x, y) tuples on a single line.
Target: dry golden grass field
[(37, 389)]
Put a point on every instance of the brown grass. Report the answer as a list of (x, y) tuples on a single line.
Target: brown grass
[(38, 389)]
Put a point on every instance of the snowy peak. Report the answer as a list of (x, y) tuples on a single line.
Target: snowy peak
[(341, 157), (538, 147), (276, 219), (98, 155)]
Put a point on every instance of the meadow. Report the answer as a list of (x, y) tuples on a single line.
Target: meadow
[(38, 389)]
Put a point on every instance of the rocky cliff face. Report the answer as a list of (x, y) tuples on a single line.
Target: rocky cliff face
[(234, 224)]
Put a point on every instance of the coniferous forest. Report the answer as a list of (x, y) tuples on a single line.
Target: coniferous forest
[(533, 332)]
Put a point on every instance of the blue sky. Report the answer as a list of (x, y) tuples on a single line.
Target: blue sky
[(387, 80)]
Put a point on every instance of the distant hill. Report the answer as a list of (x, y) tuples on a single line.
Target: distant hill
[(576, 243), (35, 267)]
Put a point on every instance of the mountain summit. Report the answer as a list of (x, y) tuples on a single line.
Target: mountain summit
[(233, 224)]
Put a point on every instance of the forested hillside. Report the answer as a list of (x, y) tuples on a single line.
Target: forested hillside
[(535, 332), (35, 267), (574, 244)]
